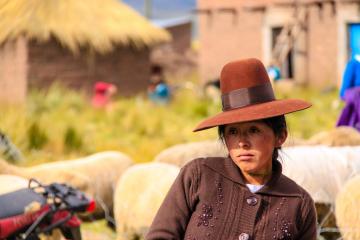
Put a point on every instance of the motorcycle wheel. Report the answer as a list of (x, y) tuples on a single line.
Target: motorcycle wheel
[(30, 237), (71, 233)]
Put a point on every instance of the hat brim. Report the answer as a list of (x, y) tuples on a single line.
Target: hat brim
[(254, 112)]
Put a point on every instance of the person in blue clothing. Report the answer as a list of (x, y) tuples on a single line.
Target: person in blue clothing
[(351, 77), (273, 72), (350, 115), (158, 89), (350, 94)]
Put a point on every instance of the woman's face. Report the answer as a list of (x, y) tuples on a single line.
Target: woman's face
[(251, 145)]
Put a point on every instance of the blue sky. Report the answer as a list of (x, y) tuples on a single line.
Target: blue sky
[(165, 8)]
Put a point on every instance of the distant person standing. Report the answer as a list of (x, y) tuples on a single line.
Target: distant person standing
[(273, 72), (103, 92), (351, 77), (350, 115), (212, 89), (350, 93), (158, 89)]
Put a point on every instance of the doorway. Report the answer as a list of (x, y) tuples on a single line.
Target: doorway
[(287, 66), (353, 39)]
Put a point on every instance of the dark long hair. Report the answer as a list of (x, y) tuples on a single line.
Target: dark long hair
[(277, 124)]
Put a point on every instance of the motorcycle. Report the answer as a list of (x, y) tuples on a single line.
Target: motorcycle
[(39, 209)]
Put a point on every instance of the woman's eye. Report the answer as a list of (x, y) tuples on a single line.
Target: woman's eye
[(232, 131), (254, 130)]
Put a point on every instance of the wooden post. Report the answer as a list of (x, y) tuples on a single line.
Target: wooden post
[(301, 50), (148, 9)]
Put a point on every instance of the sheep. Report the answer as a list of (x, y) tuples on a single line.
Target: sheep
[(294, 141), (340, 136), (10, 183), (337, 137), (347, 210), (321, 170), (95, 174), (309, 166), (138, 195), (182, 153)]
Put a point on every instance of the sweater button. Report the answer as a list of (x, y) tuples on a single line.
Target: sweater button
[(244, 236), (252, 201)]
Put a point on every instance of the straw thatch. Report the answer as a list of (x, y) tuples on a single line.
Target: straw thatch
[(98, 24)]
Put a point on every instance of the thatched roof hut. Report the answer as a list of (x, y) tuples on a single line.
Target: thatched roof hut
[(75, 42)]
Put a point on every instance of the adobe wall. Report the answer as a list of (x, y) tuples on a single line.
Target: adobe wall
[(49, 62), (225, 35), (322, 46), (320, 53), (13, 68), (181, 35)]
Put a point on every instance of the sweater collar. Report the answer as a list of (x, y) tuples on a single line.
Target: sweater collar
[(278, 185)]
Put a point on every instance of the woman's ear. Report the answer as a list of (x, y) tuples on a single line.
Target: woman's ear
[(280, 139)]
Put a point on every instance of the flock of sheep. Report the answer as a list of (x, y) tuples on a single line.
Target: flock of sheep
[(327, 166)]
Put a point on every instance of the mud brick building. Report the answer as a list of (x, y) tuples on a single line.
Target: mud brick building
[(311, 40), (76, 44)]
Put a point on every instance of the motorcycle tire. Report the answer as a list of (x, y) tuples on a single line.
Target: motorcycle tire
[(71, 233)]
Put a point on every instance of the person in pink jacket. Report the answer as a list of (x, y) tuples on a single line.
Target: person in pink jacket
[(103, 92)]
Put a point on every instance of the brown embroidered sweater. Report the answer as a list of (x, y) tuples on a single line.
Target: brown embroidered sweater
[(209, 200)]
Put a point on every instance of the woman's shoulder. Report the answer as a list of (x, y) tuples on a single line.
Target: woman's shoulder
[(206, 161), (290, 185), (206, 165)]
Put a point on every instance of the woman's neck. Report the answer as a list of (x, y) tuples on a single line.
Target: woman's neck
[(257, 178)]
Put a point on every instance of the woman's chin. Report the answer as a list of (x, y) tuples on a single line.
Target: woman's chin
[(248, 168)]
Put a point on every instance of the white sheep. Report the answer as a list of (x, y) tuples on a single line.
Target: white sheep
[(347, 209), (340, 136), (180, 154), (9, 183), (309, 166), (321, 170), (139, 194), (96, 175)]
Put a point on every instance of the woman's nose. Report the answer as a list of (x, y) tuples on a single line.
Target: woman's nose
[(243, 142)]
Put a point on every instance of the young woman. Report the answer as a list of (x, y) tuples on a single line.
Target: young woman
[(244, 196)]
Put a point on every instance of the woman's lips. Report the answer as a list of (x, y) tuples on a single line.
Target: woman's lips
[(245, 157)]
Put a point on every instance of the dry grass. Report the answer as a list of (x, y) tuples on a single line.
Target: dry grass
[(98, 24)]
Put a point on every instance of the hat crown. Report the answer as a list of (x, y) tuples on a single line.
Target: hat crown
[(244, 73), (247, 95)]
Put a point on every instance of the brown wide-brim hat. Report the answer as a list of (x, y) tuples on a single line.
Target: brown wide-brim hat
[(247, 95)]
